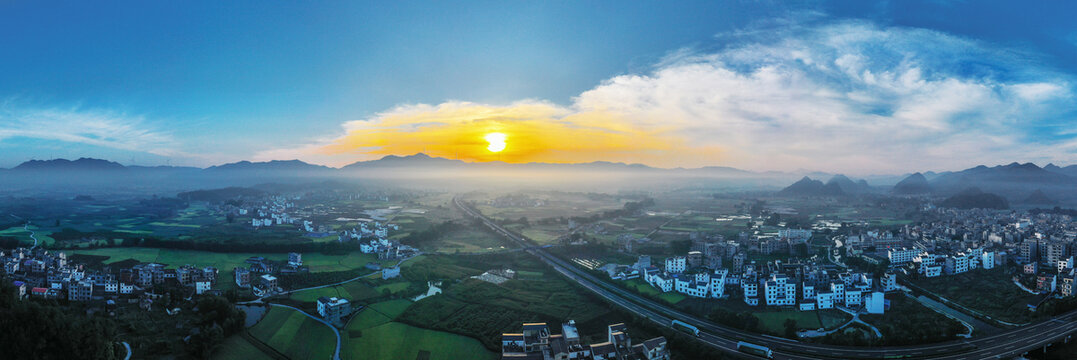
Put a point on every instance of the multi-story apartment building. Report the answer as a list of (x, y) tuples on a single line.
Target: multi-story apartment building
[(901, 256), (779, 291), (676, 264), (718, 283)]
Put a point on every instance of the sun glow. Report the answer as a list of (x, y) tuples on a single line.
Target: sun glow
[(497, 141)]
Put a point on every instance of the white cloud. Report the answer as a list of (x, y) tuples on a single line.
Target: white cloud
[(91, 127), (848, 97)]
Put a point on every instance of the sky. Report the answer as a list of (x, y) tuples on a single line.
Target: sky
[(856, 87)]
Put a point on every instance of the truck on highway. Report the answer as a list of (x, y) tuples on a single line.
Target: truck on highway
[(683, 326), (754, 349)]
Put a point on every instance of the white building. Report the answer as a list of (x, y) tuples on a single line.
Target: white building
[(676, 264), (660, 280), (779, 291), (901, 256), (957, 264), (839, 291), (931, 270), (824, 300), (201, 286), (718, 283), (751, 292), (987, 260), (690, 286), (1065, 264), (295, 259), (875, 303), (390, 272), (888, 282), (333, 309), (853, 298)]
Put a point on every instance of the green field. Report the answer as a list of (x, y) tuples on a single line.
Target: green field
[(393, 340), (295, 334), (372, 334), (236, 347), (24, 235)]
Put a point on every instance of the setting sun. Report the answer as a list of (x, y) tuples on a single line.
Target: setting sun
[(497, 142)]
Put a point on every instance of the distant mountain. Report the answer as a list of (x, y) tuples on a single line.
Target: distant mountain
[(1070, 170), (915, 184), (809, 187), (82, 164), (847, 185), (1039, 198), (410, 161), (1012, 180), (974, 198), (274, 165)]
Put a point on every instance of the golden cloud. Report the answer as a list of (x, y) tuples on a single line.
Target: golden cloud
[(534, 132)]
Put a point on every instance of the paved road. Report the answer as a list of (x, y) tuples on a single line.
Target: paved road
[(336, 353), (1002, 345), (128, 347)]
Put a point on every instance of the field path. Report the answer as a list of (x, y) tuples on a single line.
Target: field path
[(27, 228), (336, 354)]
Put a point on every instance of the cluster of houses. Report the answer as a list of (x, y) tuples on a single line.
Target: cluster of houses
[(802, 286), (272, 212), (259, 275), (929, 264), (373, 238), (48, 274), (536, 342)]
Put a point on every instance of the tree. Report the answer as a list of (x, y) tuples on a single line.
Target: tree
[(790, 328)]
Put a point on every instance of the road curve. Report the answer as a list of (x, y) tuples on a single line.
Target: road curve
[(1005, 344)]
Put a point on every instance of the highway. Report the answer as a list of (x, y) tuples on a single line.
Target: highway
[(1003, 345)]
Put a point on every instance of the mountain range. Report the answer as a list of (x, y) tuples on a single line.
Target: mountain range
[(1019, 183)]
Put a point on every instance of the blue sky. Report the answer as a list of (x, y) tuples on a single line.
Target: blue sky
[(201, 83)]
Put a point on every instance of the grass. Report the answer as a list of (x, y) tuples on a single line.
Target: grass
[(236, 347), (774, 321), (393, 340), (392, 287), (295, 334)]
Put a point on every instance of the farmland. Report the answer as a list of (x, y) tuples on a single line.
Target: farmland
[(372, 334), (295, 335)]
